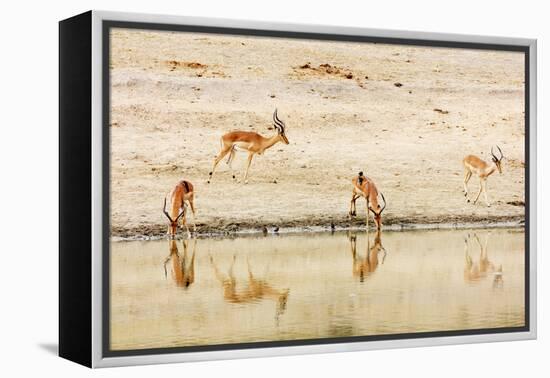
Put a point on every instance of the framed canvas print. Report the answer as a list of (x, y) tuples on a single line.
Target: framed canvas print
[(234, 189)]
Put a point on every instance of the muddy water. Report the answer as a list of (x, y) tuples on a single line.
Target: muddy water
[(218, 291)]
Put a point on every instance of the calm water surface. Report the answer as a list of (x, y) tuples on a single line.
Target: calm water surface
[(218, 291)]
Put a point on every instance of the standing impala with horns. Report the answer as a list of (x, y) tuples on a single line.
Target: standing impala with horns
[(482, 169), (182, 192), (248, 141), (363, 186)]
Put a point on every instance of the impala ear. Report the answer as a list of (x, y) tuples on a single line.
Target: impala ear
[(360, 178)]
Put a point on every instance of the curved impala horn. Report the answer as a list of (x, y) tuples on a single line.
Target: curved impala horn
[(384, 203), (501, 154), (179, 216), (165, 212), (275, 123), (382, 209), (493, 154), (280, 125)]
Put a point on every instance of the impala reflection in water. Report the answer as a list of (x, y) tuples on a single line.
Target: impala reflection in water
[(253, 289), (475, 271), (169, 293), (183, 270), (364, 266)]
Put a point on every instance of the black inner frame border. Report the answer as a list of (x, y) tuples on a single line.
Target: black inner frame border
[(107, 25)]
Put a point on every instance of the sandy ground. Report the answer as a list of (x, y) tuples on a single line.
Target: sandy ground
[(404, 115)]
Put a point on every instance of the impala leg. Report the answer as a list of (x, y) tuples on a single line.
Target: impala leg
[(230, 271), (184, 260), (223, 152), (184, 223), (468, 259), (467, 176), (353, 245), (352, 207), (480, 190), (368, 249), (486, 242), (480, 246), (484, 184), (166, 262), (192, 204), (192, 267), (250, 156), (230, 162), (367, 216), (466, 249), (188, 232), (217, 272), (250, 275)]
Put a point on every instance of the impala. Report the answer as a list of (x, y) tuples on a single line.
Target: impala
[(482, 169), (363, 186), (248, 141), (254, 290), (363, 267), (183, 271), (183, 192)]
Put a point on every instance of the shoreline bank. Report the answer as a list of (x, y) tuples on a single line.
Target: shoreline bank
[(237, 229)]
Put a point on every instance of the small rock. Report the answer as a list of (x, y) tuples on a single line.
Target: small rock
[(398, 85)]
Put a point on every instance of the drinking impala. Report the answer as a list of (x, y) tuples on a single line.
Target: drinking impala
[(363, 186), (179, 196)]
